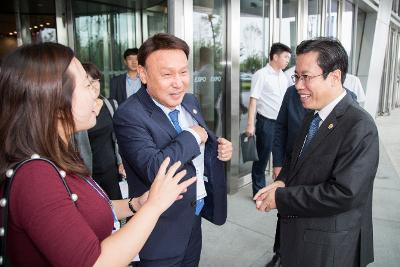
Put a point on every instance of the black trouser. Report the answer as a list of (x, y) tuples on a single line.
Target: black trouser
[(277, 242), (109, 182)]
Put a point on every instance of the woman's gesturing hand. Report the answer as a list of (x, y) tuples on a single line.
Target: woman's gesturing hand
[(166, 187)]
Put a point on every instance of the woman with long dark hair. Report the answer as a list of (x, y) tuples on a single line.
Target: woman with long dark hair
[(57, 214)]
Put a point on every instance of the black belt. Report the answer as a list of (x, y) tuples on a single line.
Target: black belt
[(261, 117), (288, 216)]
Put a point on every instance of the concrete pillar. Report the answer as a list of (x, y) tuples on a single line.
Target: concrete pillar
[(374, 52)]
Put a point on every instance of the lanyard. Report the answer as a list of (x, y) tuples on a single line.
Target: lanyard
[(103, 194)]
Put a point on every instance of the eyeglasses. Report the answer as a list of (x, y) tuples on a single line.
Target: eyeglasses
[(92, 82), (305, 78)]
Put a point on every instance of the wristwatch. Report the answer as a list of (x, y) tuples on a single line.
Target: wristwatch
[(131, 206)]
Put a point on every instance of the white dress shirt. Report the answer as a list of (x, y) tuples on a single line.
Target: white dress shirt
[(268, 87)]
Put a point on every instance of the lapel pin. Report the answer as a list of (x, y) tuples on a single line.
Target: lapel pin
[(195, 111), (330, 126)]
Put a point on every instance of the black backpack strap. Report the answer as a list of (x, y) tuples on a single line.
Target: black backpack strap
[(112, 106), (5, 200)]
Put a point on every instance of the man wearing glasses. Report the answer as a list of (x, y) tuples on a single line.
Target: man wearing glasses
[(324, 190)]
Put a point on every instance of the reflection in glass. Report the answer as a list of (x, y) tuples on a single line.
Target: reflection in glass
[(314, 19), (102, 34), (209, 57), (331, 18), (155, 20), (104, 31), (254, 49), (361, 17), (289, 26), (347, 30), (36, 23)]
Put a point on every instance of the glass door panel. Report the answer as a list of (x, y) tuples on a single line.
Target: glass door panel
[(254, 46), (209, 61), (314, 18), (103, 30)]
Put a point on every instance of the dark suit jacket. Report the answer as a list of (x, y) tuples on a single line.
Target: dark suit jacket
[(118, 88), (326, 206), (146, 137), (287, 125)]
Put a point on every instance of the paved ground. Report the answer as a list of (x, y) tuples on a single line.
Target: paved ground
[(247, 237)]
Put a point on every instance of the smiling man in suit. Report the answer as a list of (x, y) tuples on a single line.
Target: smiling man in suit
[(324, 190), (160, 121)]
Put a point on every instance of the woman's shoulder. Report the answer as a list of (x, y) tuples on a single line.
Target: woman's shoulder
[(36, 174), (36, 166)]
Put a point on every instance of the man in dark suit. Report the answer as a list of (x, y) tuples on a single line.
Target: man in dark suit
[(324, 190), (160, 121), (126, 84)]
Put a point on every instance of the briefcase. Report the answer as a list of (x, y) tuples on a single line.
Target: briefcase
[(248, 146)]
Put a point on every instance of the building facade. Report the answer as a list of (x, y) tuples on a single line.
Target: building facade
[(229, 41)]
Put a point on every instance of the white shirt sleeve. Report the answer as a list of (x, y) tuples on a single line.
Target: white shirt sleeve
[(256, 85)]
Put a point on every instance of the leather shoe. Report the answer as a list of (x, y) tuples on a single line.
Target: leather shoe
[(275, 261)]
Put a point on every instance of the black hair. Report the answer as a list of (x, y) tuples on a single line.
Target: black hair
[(331, 54), (92, 70), (161, 41), (131, 52), (277, 49)]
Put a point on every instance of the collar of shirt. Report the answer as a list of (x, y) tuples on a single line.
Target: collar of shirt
[(167, 110), (185, 119), (132, 79), (324, 112), (271, 70)]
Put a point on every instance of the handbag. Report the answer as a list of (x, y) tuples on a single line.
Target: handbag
[(4, 201), (248, 147)]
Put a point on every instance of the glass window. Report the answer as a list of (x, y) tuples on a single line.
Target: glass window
[(254, 46), (37, 23), (347, 30), (102, 34), (104, 31), (209, 57), (314, 19), (361, 17), (288, 34), (155, 20), (331, 18)]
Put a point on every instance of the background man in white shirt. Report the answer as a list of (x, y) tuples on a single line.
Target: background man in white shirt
[(353, 83), (268, 86)]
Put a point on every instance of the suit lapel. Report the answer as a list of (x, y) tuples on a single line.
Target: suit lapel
[(194, 111), (300, 140), (156, 113), (324, 131)]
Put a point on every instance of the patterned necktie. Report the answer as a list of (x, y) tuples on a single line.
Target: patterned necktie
[(173, 115), (312, 131)]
